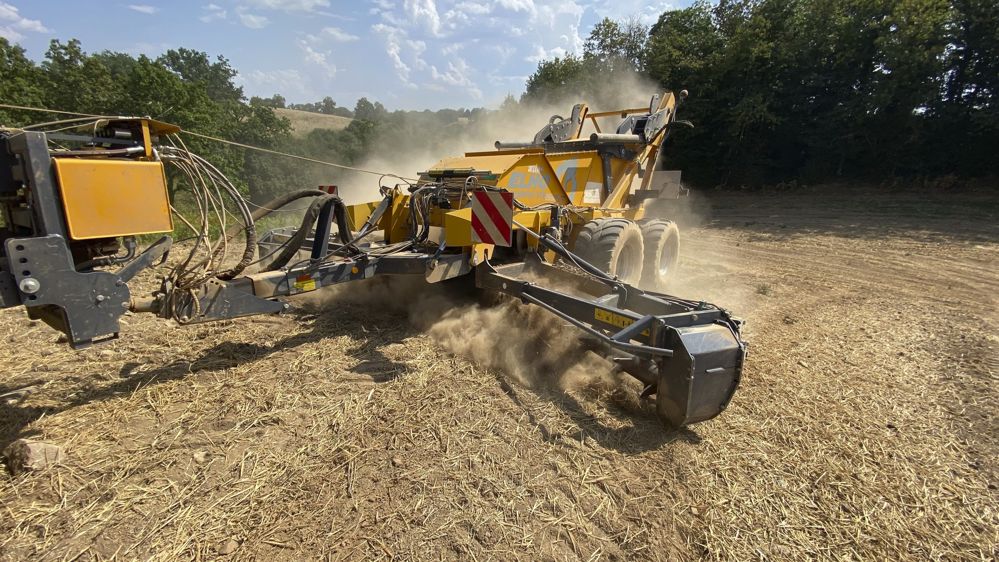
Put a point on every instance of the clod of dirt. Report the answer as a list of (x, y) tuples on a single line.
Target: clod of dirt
[(200, 457), (24, 456), (396, 462), (229, 547)]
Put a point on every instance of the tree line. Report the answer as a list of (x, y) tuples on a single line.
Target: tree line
[(182, 86), (199, 94), (781, 91), (811, 90)]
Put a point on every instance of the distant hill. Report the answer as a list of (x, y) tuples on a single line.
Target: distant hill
[(303, 122)]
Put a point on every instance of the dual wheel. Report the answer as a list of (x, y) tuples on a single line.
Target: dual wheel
[(642, 253)]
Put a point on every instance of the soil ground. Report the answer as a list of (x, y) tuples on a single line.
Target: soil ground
[(865, 426)]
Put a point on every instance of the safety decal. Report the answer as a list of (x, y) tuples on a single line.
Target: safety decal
[(492, 217)]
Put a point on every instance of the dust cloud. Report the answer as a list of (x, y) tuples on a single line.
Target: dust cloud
[(705, 271), (524, 342), (406, 153)]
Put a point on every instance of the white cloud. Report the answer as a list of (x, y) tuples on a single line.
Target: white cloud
[(290, 83), (504, 51), (468, 15), (517, 5), (458, 75), (394, 39), (424, 12), (339, 35), (12, 23), (438, 52), (288, 5), (213, 12), (143, 8), (540, 54), (645, 11), (318, 58), (461, 47), (416, 49), (151, 50), (253, 21), (473, 8)]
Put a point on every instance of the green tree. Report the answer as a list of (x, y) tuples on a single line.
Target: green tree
[(368, 111), (557, 79), (276, 101), (21, 83), (617, 43), (327, 106), (74, 81), (196, 67)]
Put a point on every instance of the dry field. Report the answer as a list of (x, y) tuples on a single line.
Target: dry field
[(303, 122), (865, 427)]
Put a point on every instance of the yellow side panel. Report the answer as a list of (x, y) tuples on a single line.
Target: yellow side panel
[(533, 181), (581, 175), (360, 213), (495, 163), (458, 227), (110, 198)]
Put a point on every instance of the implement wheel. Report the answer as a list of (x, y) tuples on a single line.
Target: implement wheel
[(614, 246), (662, 251)]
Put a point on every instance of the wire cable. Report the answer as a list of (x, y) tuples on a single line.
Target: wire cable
[(297, 157), (86, 116)]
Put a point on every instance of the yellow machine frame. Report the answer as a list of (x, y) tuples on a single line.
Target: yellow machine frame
[(537, 177)]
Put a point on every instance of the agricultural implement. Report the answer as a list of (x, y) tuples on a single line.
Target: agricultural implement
[(557, 221)]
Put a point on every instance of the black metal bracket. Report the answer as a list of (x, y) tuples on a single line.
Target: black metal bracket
[(83, 305)]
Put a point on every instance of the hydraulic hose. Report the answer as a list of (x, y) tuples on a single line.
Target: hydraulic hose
[(293, 244), (261, 212), (278, 202)]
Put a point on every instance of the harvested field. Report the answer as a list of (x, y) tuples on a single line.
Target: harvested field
[(304, 122), (865, 427)]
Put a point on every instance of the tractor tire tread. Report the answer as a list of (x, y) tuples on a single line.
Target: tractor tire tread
[(598, 239), (657, 234)]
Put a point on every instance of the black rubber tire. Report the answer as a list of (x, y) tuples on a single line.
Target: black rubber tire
[(661, 239), (614, 246)]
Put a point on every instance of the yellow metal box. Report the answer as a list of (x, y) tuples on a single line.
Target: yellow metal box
[(110, 198)]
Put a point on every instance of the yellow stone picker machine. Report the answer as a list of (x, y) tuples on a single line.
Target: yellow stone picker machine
[(557, 221)]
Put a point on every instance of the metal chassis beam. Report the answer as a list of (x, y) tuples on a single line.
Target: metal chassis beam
[(688, 354), (617, 318)]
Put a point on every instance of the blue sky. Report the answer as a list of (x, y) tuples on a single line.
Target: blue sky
[(408, 54)]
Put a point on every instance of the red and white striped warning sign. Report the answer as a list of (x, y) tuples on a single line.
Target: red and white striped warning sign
[(492, 217)]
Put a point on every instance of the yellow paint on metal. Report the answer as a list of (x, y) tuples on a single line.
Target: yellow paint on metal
[(496, 163), (533, 181), (622, 112), (147, 142), (481, 253), (458, 227), (111, 198), (581, 176), (397, 227), (566, 177), (623, 173), (535, 221), (614, 319), (157, 128), (506, 151), (360, 213)]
